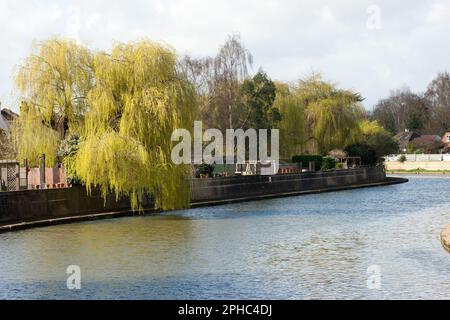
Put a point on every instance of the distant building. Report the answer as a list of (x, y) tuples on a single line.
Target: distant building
[(427, 143), (446, 140), (6, 118), (404, 138)]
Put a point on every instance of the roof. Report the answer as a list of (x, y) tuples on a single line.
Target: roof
[(6, 116), (406, 136), (427, 139), (4, 125), (430, 138)]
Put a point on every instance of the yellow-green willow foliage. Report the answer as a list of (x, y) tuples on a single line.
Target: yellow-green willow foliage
[(138, 100), (367, 128), (372, 134), (334, 122), (292, 125), (316, 116), (34, 138), (53, 82)]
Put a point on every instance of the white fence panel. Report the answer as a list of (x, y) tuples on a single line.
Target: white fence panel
[(392, 157), (419, 157)]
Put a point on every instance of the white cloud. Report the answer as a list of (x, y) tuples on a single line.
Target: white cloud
[(287, 38), (438, 12), (327, 15)]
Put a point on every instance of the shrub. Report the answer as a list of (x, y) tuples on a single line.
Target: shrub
[(340, 165), (67, 152), (410, 148), (402, 158), (328, 163), (306, 159), (204, 169), (367, 154)]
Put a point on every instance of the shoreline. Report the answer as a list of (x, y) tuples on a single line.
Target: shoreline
[(418, 172), (128, 213)]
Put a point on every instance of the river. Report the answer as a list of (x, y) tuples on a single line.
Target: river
[(306, 247)]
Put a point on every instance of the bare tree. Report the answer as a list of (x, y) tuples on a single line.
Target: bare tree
[(438, 97), (402, 110), (217, 82), (200, 72), (231, 66)]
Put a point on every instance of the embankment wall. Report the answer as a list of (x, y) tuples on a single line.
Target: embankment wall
[(38, 205)]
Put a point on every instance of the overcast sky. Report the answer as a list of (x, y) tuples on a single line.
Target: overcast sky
[(371, 46)]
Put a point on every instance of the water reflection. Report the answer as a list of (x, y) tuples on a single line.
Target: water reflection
[(316, 246), (103, 249)]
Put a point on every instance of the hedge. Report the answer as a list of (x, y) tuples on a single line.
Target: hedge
[(306, 159)]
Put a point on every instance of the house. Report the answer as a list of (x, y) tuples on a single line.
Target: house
[(4, 125), (446, 140), (428, 143), (6, 118), (405, 138)]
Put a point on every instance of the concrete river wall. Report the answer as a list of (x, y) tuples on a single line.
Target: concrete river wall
[(418, 165), (30, 208), (237, 187)]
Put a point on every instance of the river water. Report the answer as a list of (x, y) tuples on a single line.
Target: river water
[(307, 247)]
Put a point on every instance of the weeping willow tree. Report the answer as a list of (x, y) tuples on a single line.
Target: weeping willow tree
[(292, 125), (334, 121), (139, 98), (53, 82), (33, 137), (316, 116)]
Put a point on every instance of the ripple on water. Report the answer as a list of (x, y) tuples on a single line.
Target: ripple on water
[(307, 247)]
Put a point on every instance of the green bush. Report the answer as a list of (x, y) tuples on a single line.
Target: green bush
[(340, 165), (306, 159), (204, 169), (67, 153), (328, 163), (367, 154), (410, 148), (402, 158)]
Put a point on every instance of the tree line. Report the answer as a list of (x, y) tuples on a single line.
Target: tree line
[(314, 115), (426, 113), (109, 115)]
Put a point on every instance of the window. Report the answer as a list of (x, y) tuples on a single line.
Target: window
[(448, 138)]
